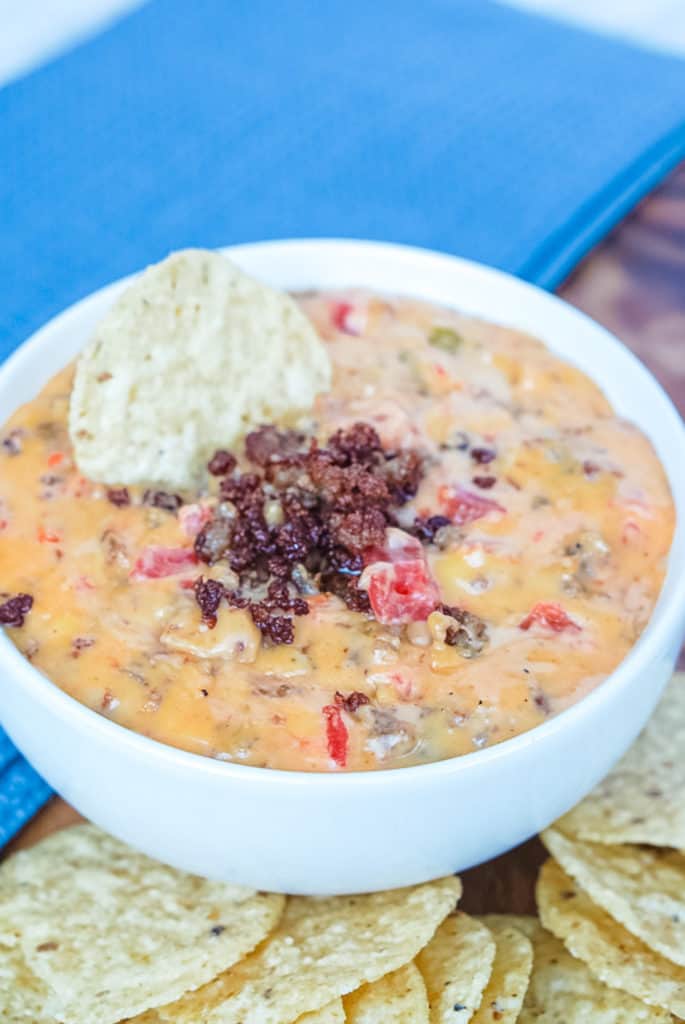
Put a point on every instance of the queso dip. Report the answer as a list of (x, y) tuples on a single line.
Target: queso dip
[(460, 540)]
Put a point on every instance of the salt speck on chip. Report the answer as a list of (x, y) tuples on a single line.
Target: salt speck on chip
[(192, 356), (110, 932)]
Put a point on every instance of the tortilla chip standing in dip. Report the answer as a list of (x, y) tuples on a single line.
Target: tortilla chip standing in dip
[(394, 533)]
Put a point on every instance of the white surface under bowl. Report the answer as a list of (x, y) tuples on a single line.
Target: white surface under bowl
[(334, 833)]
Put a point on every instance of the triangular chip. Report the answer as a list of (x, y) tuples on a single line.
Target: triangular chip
[(322, 949), (456, 966), (562, 990), (191, 356), (643, 889), (505, 991), (111, 932), (643, 799), (399, 997), (613, 955)]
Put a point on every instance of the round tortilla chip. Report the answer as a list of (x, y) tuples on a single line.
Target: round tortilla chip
[(505, 991), (331, 1013), (642, 889), (562, 990), (192, 356), (111, 932), (643, 799), (22, 995), (456, 966), (322, 949), (613, 955), (399, 997)]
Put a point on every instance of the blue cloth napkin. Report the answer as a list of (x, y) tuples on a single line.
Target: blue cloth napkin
[(455, 124)]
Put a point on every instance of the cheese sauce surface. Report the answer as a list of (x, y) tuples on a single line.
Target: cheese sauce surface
[(556, 524)]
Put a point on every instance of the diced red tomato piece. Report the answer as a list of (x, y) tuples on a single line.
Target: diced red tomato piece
[(336, 734), (464, 506), (193, 517), (401, 591), (48, 536), (156, 561), (346, 318), (55, 458), (551, 615)]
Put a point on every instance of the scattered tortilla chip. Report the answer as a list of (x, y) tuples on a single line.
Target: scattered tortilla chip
[(563, 991), (643, 799), (322, 949), (111, 932), (642, 889), (505, 991), (399, 997), (22, 995), (193, 355), (456, 966), (614, 955), (332, 1013)]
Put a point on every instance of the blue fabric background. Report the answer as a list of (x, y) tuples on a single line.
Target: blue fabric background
[(454, 124)]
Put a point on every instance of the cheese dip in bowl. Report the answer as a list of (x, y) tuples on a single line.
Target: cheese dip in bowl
[(443, 571)]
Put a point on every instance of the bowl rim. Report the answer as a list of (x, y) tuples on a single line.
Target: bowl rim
[(663, 620)]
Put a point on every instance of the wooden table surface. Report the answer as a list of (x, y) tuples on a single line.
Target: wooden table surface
[(634, 284)]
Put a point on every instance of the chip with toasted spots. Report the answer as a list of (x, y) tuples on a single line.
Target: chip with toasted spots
[(504, 993), (641, 888), (322, 949), (399, 997), (111, 933), (22, 995), (611, 952), (643, 799), (456, 966), (332, 1013), (562, 989), (192, 356)]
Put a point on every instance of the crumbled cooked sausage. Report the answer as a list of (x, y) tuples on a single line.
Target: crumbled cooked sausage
[(213, 540), (485, 482), (469, 633), (14, 611), (426, 527), (483, 455), (119, 496), (208, 594), (163, 500), (12, 443), (352, 702), (221, 463)]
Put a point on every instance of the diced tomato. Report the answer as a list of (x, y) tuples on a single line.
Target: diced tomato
[(464, 506), (48, 536), (156, 561), (193, 517), (399, 547), (551, 615), (401, 592), (336, 734), (55, 458), (347, 318)]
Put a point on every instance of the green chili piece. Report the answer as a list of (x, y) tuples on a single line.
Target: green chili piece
[(445, 338)]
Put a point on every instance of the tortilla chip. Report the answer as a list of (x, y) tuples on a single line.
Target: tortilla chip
[(22, 995), (192, 356), (399, 997), (613, 955), (504, 993), (456, 966), (563, 991), (332, 1013), (642, 889), (643, 799), (111, 932), (322, 949)]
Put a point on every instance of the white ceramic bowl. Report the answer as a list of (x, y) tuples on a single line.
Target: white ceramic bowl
[(324, 833)]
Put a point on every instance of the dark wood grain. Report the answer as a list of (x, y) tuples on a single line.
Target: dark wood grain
[(634, 284)]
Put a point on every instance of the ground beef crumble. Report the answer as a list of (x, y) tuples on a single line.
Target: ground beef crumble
[(15, 609), (304, 511)]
